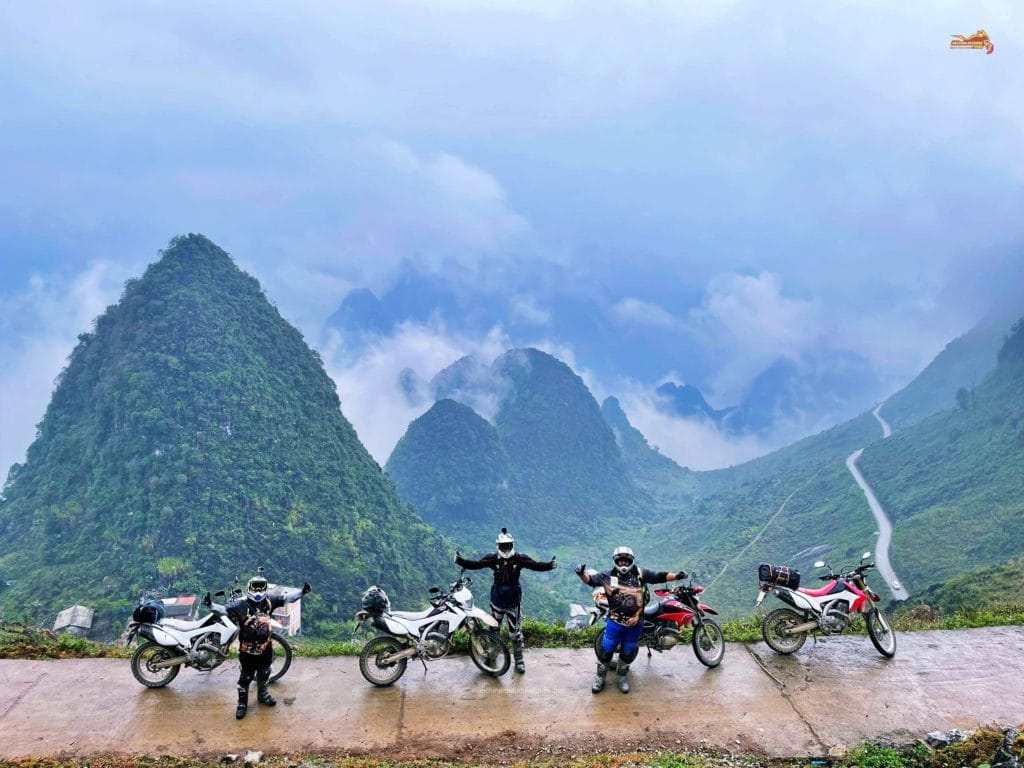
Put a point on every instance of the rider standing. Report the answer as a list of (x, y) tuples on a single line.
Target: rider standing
[(506, 594), (255, 652), (625, 587)]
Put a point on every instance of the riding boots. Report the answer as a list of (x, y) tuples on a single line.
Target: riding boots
[(243, 701), (598, 685), (517, 652), (620, 677), (262, 694)]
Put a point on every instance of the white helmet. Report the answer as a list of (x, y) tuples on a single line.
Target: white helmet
[(506, 544), (623, 559)]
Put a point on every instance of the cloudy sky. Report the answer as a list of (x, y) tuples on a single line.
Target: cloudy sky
[(758, 179)]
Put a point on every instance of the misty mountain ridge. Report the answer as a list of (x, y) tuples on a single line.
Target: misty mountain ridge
[(790, 398)]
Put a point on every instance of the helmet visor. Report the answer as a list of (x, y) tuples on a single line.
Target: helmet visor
[(258, 585), (624, 561), (505, 547)]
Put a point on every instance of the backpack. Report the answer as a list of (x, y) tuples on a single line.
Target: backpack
[(151, 611)]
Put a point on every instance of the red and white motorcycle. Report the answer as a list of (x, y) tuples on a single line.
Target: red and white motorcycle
[(827, 610)]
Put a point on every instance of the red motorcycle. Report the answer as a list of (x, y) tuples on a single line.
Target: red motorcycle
[(664, 616)]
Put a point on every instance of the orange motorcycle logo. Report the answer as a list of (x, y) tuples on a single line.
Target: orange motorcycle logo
[(978, 40)]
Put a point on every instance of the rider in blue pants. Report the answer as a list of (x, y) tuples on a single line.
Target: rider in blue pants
[(624, 586)]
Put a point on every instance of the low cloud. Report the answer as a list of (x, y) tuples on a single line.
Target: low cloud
[(371, 389), (692, 443), (752, 323), (632, 310)]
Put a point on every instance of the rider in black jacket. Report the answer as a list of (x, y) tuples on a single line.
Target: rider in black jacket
[(255, 653), (506, 594)]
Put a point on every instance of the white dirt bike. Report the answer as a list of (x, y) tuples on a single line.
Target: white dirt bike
[(827, 610), (428, 634), (203, 644)]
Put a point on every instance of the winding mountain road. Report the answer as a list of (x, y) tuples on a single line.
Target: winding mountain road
[(884, 525), (832, 694)]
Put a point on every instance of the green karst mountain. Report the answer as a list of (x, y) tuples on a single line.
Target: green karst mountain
[(549, 466), (192, 436), (452, 468)]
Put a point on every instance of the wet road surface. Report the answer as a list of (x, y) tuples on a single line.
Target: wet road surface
[(833, 693)]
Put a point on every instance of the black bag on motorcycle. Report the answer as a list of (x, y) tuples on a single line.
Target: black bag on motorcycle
[(150, 612), (375, 601), (782, 575)]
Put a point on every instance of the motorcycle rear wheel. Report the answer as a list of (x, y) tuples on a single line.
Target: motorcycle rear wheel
[(148, 654), (881, 633), (489, 652), (773, 626), (708, 643), (373, 666), (282, 656)]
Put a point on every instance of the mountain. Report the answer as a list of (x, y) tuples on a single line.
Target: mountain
[(192, 436), (963, 363), (950, 482), (549, 465), (452, 468), (611, 335), (687, 402)]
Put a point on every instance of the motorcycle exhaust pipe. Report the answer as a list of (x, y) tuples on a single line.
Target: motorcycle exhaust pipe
[(807, 626), (169, 662), (407, 653)]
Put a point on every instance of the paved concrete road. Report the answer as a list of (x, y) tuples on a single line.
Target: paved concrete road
[(835, 693)]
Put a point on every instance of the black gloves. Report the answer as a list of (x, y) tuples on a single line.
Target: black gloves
[(458, 556), (580, 569), (680, 574), (553, 563), (306, 588)]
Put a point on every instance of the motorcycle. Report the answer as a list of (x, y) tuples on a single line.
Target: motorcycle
[(827, 610), (664, 617), (428, 634), (203, 644)]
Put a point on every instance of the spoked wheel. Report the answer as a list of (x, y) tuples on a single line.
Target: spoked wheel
[(282, 656), (489, 652), (708, 643), (375, 663), (774, 630), (145, 658), (881, 633)]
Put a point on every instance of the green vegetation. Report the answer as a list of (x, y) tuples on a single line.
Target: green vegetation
[(980, 748), (193, 436)]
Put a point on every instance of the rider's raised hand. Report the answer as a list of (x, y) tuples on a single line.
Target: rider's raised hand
[(680, 574), (580, 569), (306, 588), (458, 556), (553, 563)]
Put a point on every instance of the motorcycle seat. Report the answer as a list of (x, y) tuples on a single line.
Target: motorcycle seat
[(653, 608), (818, 592), (182, 624), (413, 615)]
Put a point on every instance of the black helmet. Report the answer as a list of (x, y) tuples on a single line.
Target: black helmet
[(375, 601)]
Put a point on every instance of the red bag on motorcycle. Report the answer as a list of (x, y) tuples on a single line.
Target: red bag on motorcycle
[(782, 575)]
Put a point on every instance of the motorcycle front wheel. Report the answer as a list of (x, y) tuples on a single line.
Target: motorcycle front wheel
[(282, 656), (881, 633), (374, 665), (148, 654), (774, 631), (708, 643), (489, 652)]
